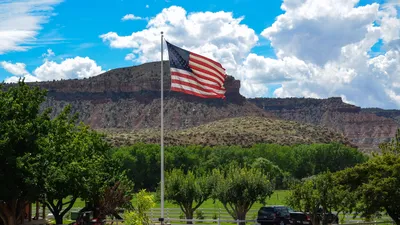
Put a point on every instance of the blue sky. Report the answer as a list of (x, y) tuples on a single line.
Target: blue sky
[(314, 49), (75, 29)]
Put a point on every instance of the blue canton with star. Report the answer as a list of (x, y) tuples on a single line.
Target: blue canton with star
[(178, 57)]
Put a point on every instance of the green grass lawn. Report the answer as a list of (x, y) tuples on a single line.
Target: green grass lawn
[(277, 198), (210, 208)]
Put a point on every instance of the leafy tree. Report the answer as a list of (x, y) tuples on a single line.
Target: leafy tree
[(21, 125), (376, 184), (187, 190), (239, 188), (142, 164), (138, 216), (320, 196), (74, 164), (114, 197), (272, 171), (393, 146), (296, 162)]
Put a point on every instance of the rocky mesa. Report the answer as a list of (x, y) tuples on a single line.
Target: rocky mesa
[(364, 128), (129, 99)]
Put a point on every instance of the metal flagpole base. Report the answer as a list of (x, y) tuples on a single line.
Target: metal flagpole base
[(161, 220)]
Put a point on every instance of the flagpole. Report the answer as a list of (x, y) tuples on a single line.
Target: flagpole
[(162, 130)]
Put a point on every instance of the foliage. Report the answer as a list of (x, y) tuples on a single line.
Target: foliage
[(142, 161), (138, 216), (239, 188), (47, 160), (76, 163), (21, 125), (243, 131), (279, 178), (114, 197), (188, 190), (320, 196), (376, 185), (200, 215), (393, 146)]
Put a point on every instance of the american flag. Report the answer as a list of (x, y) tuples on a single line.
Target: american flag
[(195, 74)]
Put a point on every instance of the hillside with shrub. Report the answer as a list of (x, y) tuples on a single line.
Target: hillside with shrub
[(241, 131)]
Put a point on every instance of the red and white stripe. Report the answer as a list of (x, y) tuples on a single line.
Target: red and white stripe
[(206, 81)]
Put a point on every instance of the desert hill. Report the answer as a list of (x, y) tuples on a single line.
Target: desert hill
[(242, 131), (364, 128), (129, 99)]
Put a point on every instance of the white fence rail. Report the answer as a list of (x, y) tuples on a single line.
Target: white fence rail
[(207, 213), (176, 221), (213, 215)]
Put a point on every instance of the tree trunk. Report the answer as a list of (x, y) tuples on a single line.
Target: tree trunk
[(11, 211), (58, 218), (8, 218), (57, 209), (11, 220), (315, 219), (189, 216), (241, 216)]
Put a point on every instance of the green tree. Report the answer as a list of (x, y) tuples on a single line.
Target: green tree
[(188, 190), (142, 164), (239, 188), (376, 184), (320, 196), (21, 125), (279, 178), (138, 216), (393, 146), (75, 164)]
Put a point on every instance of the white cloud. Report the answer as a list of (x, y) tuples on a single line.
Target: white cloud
[(17, 69), (316, 30), (131, 17), (48, 54), (217, 35), (147, 6), (323, 49), (70, 68), (20, 21), (130, 57)]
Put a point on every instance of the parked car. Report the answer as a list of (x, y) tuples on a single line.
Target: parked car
[(300, 218), (281, 215), (273, 215)]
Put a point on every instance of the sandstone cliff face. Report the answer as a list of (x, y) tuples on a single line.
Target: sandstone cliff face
[(129, 98), (365, 130)]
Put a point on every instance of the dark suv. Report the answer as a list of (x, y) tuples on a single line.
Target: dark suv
[(273, 215), (281, 215)]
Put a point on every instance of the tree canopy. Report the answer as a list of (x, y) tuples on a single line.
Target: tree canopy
[(376, 184), (188, 190), (21, 125), (239, 188), (48, 159)]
